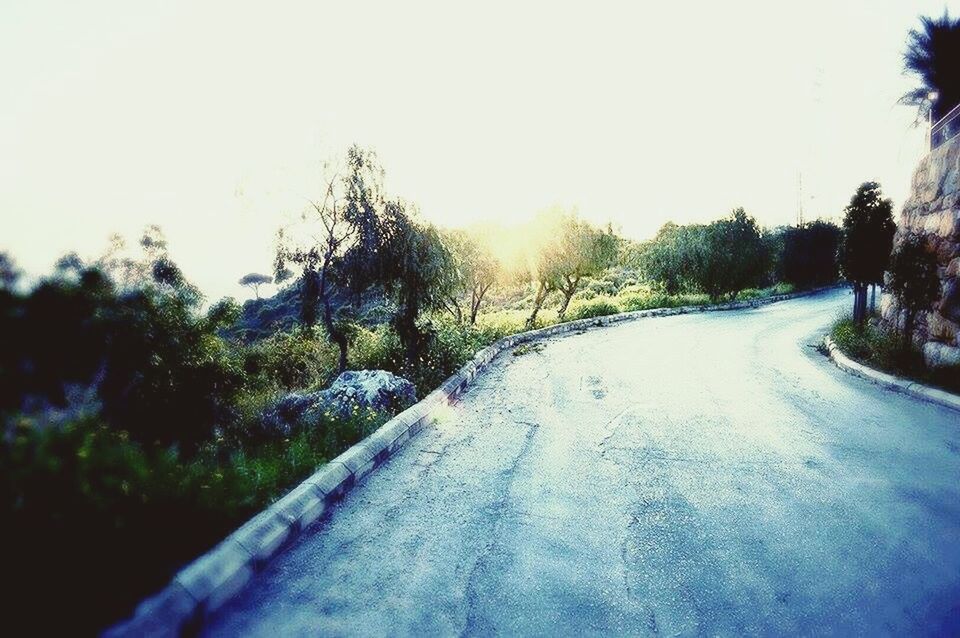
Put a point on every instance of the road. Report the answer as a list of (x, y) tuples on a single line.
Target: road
[(697, 474)]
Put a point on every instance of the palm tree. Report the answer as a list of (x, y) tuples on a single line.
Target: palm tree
[(933, 55)]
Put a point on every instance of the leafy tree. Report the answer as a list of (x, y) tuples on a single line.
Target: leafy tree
[(868, 231), (144, 359), (809, 254), (933, 56), (730, 256), (570, 249), (361, 242), (9, 273), (340, 239), (583, 251), (476, 269), (668, 258), (913, 278), (417, 270), (255, 280)]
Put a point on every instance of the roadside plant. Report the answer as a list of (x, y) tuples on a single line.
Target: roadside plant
[(868, 231), (913, 279)]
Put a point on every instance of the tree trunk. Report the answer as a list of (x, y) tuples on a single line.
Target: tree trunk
[(568, 293), (335, 335), (476, 300), (873, 299), (859, 303), (537, 302), (567, 296)]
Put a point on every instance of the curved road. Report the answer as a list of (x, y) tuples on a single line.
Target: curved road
[(696, 474)]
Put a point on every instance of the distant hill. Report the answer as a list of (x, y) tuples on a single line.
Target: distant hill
[(261, 318)]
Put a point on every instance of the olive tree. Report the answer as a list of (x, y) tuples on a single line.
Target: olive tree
[(729, 256), (570, 250), (475, 271), (667, 259), (868, 231), (415, 268)]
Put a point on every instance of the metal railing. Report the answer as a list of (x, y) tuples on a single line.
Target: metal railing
[(946, 128)]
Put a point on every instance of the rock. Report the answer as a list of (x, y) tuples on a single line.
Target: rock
[(940, 328), (940, 355), (378, 390)]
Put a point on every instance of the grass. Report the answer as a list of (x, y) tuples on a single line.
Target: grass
[(889, 352)]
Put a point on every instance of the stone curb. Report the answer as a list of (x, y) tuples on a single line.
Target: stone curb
[(211, 580), (890, 381)]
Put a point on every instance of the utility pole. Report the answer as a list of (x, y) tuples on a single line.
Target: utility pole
[(799, 198)]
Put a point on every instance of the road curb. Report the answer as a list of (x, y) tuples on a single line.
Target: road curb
[(890, 381), (207, 583)]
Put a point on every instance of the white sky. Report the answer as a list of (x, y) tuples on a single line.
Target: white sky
[(212, 118)]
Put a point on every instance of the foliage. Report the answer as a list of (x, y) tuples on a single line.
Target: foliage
[(287, 361), (886, 351), (913, 277), (868, 231), (570, 250), (809, 254), (418, 273), (84, 499), (144, 358), (730, 256), (475, 271), (9, 273), (593, 308), (669, 257), (933, 57), (362, 241)]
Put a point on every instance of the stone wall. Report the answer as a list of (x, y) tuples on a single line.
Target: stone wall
[(933, 210)]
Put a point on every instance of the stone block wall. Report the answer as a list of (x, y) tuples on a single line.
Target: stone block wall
[(933, 210)]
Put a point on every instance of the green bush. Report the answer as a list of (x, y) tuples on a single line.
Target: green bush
[(85, 499), (889, 351), (599, 307), (289, 361)]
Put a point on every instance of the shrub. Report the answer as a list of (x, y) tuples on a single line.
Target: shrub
[(599, 307), (291, 360), (144, 359)]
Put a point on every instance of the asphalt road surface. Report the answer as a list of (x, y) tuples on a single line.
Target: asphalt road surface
[(697, 474)]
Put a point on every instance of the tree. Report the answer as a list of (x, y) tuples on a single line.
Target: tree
[(255, 280), (730, 256), (913, 278), (868, 231), (582, 251), (568, 250), (335, 243), (417, 270), (809, 254), (933, 56), (667, 258), (9, 273), (476, 271)]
